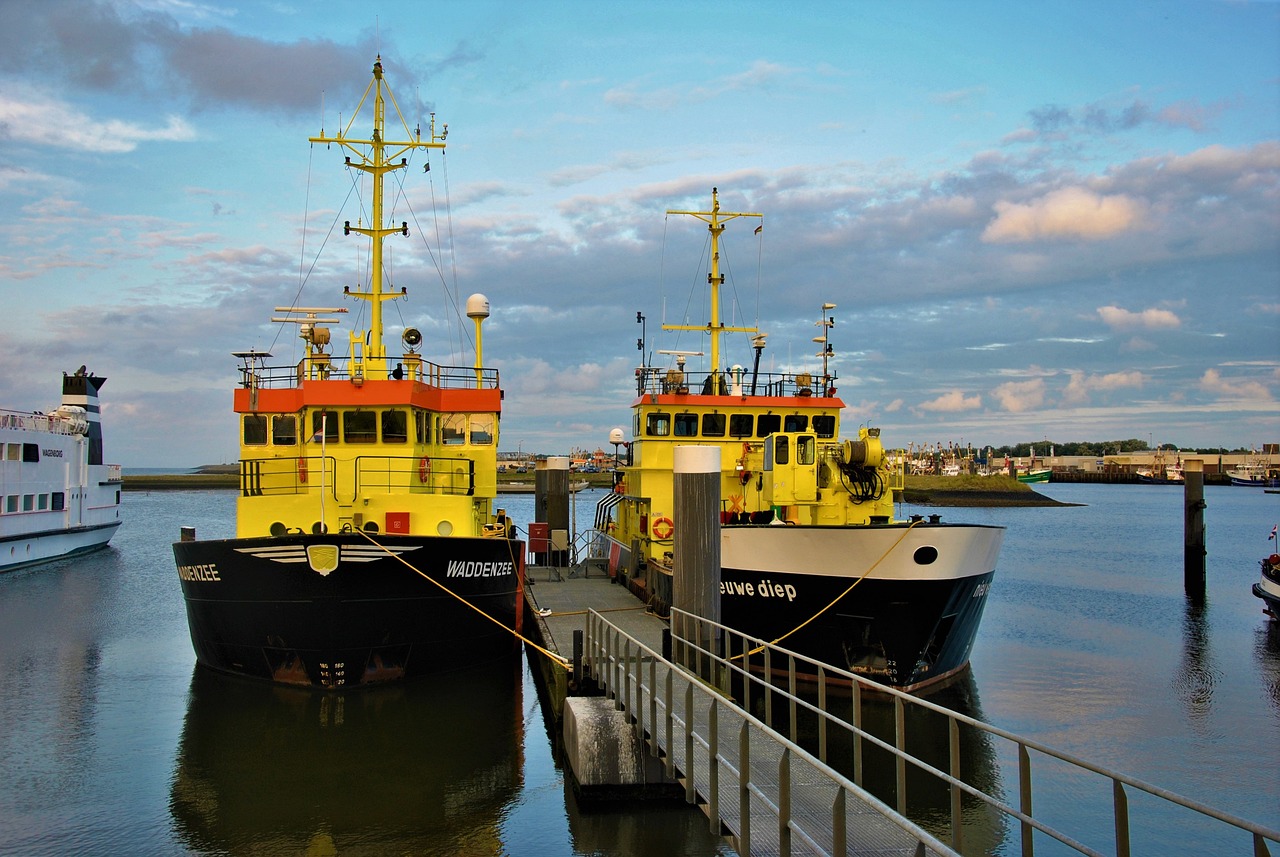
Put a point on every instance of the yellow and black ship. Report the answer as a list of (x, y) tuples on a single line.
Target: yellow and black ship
[(811, 552), (367, 546)]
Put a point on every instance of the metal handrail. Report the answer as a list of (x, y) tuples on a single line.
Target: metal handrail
[(681, 621), (617, 661)]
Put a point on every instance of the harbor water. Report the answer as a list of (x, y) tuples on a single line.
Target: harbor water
[(113, 742)]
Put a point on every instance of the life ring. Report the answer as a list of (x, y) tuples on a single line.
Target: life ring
[(424, 469), (663, 528), (302, 470)]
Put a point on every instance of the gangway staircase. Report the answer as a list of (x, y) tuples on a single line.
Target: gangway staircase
[(769, 795)]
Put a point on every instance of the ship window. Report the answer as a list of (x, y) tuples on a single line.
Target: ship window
[(795, 422), (453, 429), (13, 451), (824, 425), (805, 446), (284, 430), (42, 502), (658, 425), (326, 422), (360, 427), (57, 501), (686, 425), (767, 424), (781, 454), (422, 424), (482, 429), (31, 452), (255, 430), (11, 503), (713, 425), (395, 427), (740, 425), (28, 502)]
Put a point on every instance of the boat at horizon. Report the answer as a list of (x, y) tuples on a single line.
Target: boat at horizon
[(367, 546), (57, 497), (811, 553)]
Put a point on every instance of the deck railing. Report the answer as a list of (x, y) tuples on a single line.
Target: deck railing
[(374, 474), (340, 369), (774, 680), (651, 379)]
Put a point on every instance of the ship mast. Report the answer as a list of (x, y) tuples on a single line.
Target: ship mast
[(715, 220), (378, 156)]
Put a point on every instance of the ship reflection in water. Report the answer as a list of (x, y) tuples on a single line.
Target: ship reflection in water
[(424, 767)]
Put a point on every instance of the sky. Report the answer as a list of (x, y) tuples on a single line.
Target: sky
[(1036, 220)]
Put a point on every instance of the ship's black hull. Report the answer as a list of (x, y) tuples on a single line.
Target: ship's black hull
[(338, 611)]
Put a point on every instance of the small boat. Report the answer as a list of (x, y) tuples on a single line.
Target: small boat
[(1257, 473), (367, 548), (1162, 471), (57, 497), (1268, 588), (1040, 474), (811, 553)]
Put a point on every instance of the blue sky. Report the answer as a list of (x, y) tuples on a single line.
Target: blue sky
[(1037, 220)]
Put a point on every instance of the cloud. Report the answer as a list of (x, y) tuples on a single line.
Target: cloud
[(953, 402), (1019, 396), (1082, 385), (47, 122), (1067, 213), (1148, 319), (1214, 384)]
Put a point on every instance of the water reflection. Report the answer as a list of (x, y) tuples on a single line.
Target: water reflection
[(1266, 649), (1198, 674), (428, 767)]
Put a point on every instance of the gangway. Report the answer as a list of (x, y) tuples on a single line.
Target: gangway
[(693, 709)]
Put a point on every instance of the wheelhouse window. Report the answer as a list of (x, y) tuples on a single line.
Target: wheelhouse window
[(658, 425), (395, 427), (740, 425), (326, 422), (284, 430), (713, 425), (824, 425), (255, 430), (482, 429), (422, 423), (360, 427), (795, 422), (453, 429), (686, 425), (768, 424)]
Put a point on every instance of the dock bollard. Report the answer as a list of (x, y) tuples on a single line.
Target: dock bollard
[(187, 534), (695, 578), (1193, 551)]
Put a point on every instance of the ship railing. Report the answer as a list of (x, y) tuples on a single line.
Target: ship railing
[(652, 379), (374, 474), (115, 473), (341, 369), (33, 422), (835, 709)]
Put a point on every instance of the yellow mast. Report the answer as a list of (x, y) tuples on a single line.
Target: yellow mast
[(715, 219), (377, 162)]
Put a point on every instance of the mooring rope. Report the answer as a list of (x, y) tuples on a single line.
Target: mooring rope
[(560, 660), (834, 600)]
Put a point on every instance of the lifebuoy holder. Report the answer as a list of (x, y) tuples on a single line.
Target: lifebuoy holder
[(663, 528), (424, 469)]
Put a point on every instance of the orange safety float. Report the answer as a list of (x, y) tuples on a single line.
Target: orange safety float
[(663, 528), (302, 470), (424, 469)]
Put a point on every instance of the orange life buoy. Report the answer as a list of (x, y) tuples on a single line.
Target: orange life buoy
[(424, 469), (302, 470), (662, 528)]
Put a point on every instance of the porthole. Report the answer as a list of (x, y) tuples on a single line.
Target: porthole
[(926, 555)]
